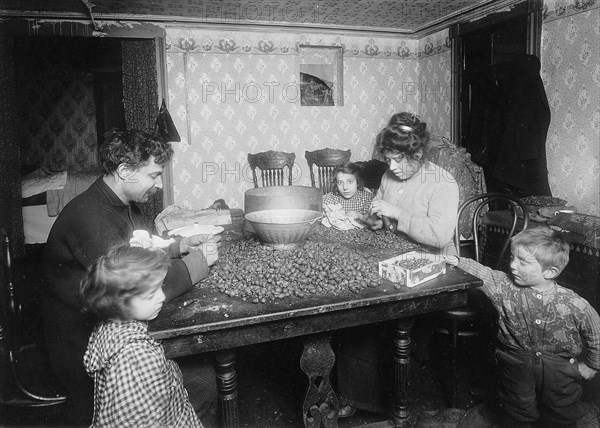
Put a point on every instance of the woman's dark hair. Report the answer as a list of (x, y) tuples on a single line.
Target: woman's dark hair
[(132, 148), (122, 273), (348, 168), (405, 133)]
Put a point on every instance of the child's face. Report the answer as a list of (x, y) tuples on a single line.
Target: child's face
[(146, 306), (346, 185), (525, 269)]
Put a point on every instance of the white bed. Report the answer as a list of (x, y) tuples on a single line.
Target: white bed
[(44, 195)]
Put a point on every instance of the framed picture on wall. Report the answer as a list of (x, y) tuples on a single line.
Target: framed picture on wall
[(321, 76)]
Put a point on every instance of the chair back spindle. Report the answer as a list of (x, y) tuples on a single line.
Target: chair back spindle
[(274, 168), (482, 201), (16, 389)]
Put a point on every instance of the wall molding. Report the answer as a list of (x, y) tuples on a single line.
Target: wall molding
[(558, 9)]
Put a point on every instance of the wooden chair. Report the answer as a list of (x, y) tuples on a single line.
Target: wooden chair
[(272, 166), (468, 175), (325, 161), (25, 376), (466, 321)]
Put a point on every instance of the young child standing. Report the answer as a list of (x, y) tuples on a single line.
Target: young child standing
[(349, 192), (543, 328), (135, 385)]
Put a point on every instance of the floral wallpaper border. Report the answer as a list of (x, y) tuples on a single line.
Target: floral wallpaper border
[(556, 9), (434, 44), (200, 41)]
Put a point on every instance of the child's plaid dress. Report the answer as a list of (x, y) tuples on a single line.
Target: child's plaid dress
[(135, 385), (360, 202)]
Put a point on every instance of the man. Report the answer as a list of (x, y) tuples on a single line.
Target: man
[(100, 218)]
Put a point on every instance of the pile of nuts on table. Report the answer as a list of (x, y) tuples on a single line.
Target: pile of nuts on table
[(375, 239), (258, 273), (412, 263)]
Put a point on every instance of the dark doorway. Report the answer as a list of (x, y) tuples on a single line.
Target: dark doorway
[(485, 52)]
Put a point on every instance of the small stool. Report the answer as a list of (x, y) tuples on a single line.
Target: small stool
[(461, 322)]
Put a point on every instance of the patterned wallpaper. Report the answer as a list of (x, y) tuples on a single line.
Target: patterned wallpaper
[(571, 74), (235, 93), (231, 94), (435, 83), (57, 113)]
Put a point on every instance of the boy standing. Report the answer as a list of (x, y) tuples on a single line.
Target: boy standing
[(543, 328)]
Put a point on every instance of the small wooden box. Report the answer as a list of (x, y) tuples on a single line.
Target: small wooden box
[(412, 268)]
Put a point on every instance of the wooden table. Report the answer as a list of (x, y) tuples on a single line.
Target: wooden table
[(205, 320)]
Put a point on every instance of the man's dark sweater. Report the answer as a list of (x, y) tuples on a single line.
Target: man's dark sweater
[(87, 227)]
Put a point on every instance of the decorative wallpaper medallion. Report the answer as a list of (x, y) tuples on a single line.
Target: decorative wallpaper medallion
[(557, 9)]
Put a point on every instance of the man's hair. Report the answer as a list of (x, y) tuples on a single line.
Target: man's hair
[(352, 169), (132, 148), (549, 247), (124, 272)]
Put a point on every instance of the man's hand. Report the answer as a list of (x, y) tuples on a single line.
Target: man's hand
[(211, 252), (195, 242), (586, 371)]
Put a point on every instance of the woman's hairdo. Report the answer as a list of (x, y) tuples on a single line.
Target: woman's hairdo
[(404, 133), (407, 128)]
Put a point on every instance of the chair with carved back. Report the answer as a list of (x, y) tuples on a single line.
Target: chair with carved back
[(467, 321), (325, 161), (26, 379), (467, 174), (272, 168)]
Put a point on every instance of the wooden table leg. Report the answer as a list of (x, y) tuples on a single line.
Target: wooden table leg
[(402, 417), (227, 389), (320, 404)]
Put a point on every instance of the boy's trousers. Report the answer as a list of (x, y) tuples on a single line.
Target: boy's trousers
[(536, 385)]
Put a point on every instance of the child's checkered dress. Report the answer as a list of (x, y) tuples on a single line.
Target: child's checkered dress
[(135, 385), (360, 202)]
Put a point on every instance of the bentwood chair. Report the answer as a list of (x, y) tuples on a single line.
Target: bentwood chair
[(25, 375), (325, 161), (274, 168), (467, 321)]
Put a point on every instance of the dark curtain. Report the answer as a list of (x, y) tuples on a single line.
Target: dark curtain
[(140, 100), (521, 159), (507, 133), (11, 216)]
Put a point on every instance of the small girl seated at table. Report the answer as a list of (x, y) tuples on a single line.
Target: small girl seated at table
[(135, 385), (349, 192)]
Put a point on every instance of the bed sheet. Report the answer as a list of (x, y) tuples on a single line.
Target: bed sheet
[(37, 224)]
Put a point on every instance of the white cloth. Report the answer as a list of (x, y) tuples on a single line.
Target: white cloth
[(337, 218), (141, 238)]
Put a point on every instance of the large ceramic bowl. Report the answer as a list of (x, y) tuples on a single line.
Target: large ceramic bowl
[(281, 197), (283, 229)]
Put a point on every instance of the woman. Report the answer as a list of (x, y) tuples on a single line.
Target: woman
[(419, 199)]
